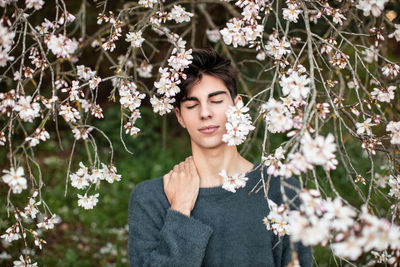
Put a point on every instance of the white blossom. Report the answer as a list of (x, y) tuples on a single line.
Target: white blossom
[(145, 69), (291, 13), (396, 33), (36, 4), (370, 54), (394, 184), (234, 182), (384, 95), (365, 127), (135, 38), (162, 105), (81, 133), (62, 46), (15, 179), (371, 6), (69, 113), (179, 14), (213, 35), (391, 70), (28, 109), (48, 223), (277, 219), (12, 233), (320, 150), (277, 48), (238, 124), (24, 262), (88, 202), (295, 86), (394, 129)]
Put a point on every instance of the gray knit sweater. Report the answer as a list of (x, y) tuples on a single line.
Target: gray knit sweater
[(224, 229)]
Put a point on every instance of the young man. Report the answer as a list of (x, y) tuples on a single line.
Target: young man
[(186, 218)]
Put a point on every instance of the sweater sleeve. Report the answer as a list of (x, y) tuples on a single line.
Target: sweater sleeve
[(177, 240), (304, 253)]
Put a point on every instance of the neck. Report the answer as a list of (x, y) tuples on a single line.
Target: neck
[(209, 162)]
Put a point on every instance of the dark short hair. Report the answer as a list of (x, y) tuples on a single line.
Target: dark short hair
[(207, 61)]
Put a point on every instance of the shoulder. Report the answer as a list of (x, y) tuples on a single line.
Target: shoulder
[(146, 190)]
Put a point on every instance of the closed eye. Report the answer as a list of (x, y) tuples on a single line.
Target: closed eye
[(216, 102), (190, 107)]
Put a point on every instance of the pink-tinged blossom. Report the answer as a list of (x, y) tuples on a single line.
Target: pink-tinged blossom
[(85, 73), (36, 4), (384, 95), (6, 38), (135, 38), (162, 105), (298, 163), (48, 223), (295, 86), (147, 3), (81, 133), (12, 233), (213, 35), (24, 262), (181, 60), (39, 134), (15, 179), (277, 219), (238, 124), (364, 127), (375, 7), (233, 34), (28, 109), (396, 33), (342, 217), (320, 150), (338, 17), (394, 129), (277, 117), (350, 248), (291, 13), (394, 184), (391, 70), (370, 54), (94, 83), (69, 113), (179, 14), (234, 182), (144, 70), (276, 48), (31, 209), (62, 46), (88, 202), (130, 98)]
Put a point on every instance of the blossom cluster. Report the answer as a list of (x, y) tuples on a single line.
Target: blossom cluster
[(167, 86), (85, 177), (277, 219), (238, 124), (233, 182), (130, 99), (313, 151), (281, 115), (394, 129), (319, 221), (246, 30), (6, 42)]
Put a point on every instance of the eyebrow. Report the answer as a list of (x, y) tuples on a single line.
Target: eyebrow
[(193, 98)]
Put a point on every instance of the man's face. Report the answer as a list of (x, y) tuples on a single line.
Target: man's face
[(202, 112)]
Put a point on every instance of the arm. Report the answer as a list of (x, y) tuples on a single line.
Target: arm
[(179, 241)]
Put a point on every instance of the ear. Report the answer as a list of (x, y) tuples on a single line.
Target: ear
[(179, 117), (237, 99)]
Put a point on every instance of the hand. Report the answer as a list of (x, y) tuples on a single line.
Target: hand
[(181, 186)]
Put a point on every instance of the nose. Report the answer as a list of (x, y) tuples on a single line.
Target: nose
[(205, 112)]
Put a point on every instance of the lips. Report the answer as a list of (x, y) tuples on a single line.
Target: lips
[(209, 129)]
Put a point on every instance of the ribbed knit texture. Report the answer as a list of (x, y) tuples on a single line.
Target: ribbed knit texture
[(224, 228)]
